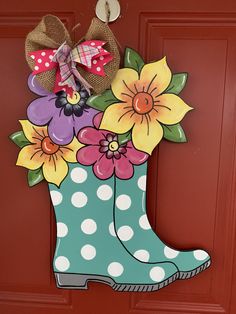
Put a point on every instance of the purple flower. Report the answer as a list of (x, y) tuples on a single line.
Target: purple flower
[(63, 114)]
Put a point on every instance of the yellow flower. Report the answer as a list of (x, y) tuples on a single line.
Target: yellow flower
[(143, 105), (42, 152)]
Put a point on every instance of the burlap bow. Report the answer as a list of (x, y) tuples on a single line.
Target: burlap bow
[(51, 33)]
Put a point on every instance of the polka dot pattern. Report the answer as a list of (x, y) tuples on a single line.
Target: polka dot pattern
[(78, 175), (144, 223), (79, 199), (170, 253), (104, 192), (62, 230), (62, 263), (142, 255), (125, 233), (88, 252), (200, 255), (56, 197), (123, 202), (89, 226), (115, 269), (142, 183), (157, 274), (112, 229)]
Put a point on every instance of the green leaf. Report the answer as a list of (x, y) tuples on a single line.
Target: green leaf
[(133, 60), (101, 102), (19, 139), (174, 133), (35, 176), (177, 83), (124, 138)]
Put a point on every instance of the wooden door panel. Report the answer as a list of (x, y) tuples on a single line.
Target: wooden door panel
[(190, 187)]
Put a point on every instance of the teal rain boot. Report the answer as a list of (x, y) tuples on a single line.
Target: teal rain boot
[(88, 248), (130, 213)]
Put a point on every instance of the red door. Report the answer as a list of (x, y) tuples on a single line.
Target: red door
[(191, 192)]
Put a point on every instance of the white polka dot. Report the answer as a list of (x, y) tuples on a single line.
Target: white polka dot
[(56, 197), (95, 62), (92, 44), (54, 50), (43, 53), (157, 274), (62, 263), (36, 68), (98, 69), (101, 58), (142, 255), (123, 202), (142, 182), (115, 269), (88, 252), (112, 229), (170, 253), (39, 60), (104, 192), (78, 175), (62, 230), (99, 47), (47, 64), (200, 255), (144, 223), (89, 226), (50, 57), (32, 56), (79, 199), (125, 233)]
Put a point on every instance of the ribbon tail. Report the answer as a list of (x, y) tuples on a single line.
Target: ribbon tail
[(86, 85)]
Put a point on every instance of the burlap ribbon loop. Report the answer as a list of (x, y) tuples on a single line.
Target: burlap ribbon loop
[(51, 33)]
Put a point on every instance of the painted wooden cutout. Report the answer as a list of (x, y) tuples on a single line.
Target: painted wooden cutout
[(93, 152)]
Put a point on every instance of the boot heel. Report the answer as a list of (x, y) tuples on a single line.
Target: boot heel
[(71, 281)]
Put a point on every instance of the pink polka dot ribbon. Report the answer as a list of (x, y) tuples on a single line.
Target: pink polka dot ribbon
[(89, 55)]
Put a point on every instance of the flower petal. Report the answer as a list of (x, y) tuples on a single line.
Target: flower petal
[(104, 168), (170, 109), (69, 152), (118, 118), (88, 155), (91, 136), (123, 168), (41, 110), (147, 135), (36, 88), (156, 77), (30, 157), (123, 83), (32, 132), (135, 156), (61, 128), (55, 169), (85, 120), (97, 120)]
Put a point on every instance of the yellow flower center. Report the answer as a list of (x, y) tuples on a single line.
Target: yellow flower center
[(113, 146), (48, 147), (74, 99), (143, 103)]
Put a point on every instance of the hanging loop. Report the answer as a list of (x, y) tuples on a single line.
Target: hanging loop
[(108, 10)]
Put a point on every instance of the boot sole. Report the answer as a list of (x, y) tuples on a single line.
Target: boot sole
[(80, 281), (192, 273)]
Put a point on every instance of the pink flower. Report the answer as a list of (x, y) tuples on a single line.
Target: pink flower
[(107, 156)]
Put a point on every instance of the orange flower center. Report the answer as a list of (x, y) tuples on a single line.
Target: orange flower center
[(48, 146), (143, 103)]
